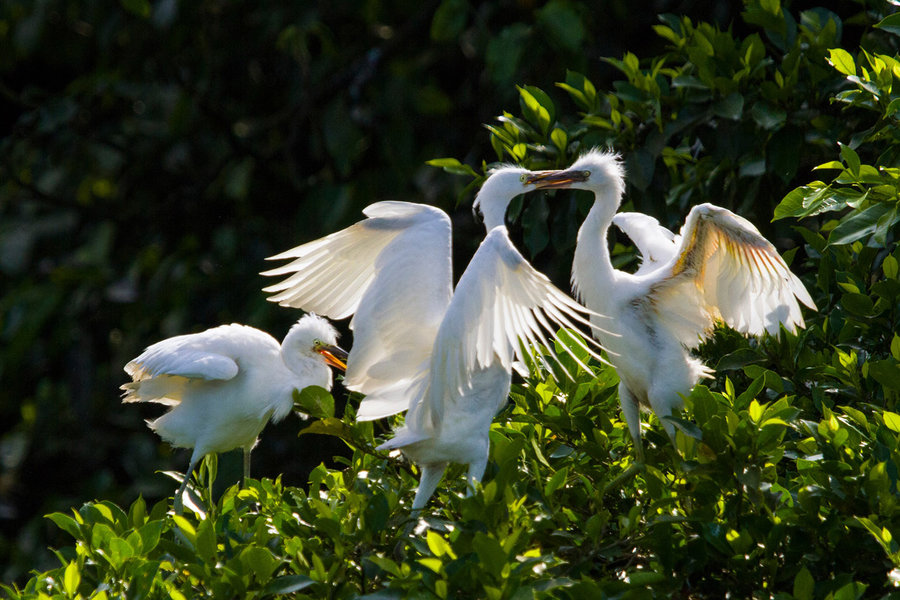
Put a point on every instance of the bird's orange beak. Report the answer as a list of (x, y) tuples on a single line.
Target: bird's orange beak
[(557, 179), (333, 355)]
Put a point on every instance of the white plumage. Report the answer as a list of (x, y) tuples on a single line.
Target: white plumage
[(224, 384), (718, 269), (446, 356)]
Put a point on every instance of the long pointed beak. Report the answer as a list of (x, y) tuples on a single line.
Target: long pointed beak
[(544, 180), (333, 355)]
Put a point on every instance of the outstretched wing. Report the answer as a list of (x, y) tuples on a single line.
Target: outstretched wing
[(726, 270), (499, 301), (656, 244), (392, 271)]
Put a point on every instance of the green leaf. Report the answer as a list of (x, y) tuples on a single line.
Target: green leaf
[(453, 166), (140, 8), (537, 107), (887, 373), (449, 20), (438, 545), (890, 23), (66, 523), (71, 579), (556, 481), (755, 411), (329, 426), (206, 540), (260, 561), (490, 553), (186, 528), (890, 268), (564, 25), (891, 421), (559, 139), (851, 158), (315, 401), (730, 107), (804, 585), (858, 225), (841, 60), (137, 513), (150, 534), (857, 304), (119, 550), (287, 584)]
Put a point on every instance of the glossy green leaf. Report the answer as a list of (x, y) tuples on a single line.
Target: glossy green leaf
[(315, 401), (841, 60)]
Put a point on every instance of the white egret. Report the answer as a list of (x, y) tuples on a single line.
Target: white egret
[(720, 268), (445, 355), (224, 384)]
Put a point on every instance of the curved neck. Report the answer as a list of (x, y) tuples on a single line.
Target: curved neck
[(592, 269)]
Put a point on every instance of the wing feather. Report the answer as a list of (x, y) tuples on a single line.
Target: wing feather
[(724, 269), (393, 273), (499, 300), (656, 244)]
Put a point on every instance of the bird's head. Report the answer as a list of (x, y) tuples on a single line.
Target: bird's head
[(314, 337), (596, 171), (502, 185)]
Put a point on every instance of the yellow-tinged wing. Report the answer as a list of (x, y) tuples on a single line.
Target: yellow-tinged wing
[(724, 269)]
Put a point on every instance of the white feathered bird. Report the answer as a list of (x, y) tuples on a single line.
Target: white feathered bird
[(719, 269), (445, 355), (224, 384)]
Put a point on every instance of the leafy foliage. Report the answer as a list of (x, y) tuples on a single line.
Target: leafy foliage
[(784, 479)]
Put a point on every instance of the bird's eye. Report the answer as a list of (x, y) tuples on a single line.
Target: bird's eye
[(317, 344), (523, 177), (587, 174)]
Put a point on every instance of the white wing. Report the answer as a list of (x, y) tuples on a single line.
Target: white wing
[(162, 371), (393, 272), (726, 270), (206, 355), (499, 300), (656, 244)]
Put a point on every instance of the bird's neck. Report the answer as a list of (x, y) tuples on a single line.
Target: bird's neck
[(592, 269)]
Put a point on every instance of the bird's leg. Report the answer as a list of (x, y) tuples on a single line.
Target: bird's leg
[(476, 472), (178, 502), (428, 482), (662, 401), (246, 466), (632, 412)]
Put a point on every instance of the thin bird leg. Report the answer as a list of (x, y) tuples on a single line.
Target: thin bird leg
[(246, 466), (178, 502), (476, 472), (428, 482), (632, 413)]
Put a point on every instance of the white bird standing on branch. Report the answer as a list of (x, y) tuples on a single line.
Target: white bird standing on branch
[(720, 268), (446, 356), (224, 384)]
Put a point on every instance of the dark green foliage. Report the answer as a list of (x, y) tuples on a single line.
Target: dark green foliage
[(784, 479)]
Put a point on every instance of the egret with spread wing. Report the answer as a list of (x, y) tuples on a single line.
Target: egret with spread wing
[(445, 355), (720, 268), (224, 384)]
